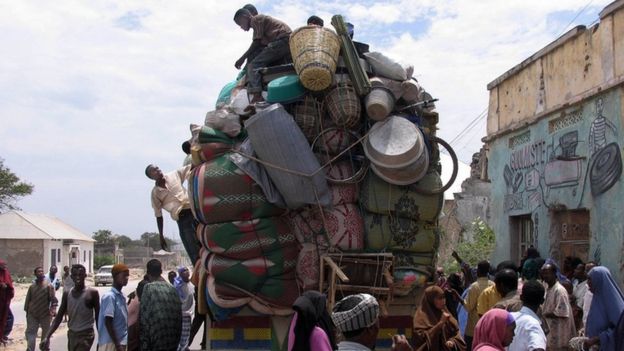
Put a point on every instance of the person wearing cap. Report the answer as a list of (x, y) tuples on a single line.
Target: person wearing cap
[(113, 318), (357, 318), (184, 287), (82, 306)]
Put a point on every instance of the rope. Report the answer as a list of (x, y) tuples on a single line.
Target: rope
[(301, 174)]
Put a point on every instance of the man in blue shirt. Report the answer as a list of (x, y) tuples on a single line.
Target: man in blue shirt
[(113, 318), (52, 278)]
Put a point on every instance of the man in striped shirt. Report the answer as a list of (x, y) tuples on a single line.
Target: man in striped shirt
[(40, 307)]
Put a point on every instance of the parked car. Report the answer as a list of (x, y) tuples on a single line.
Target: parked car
[(104, 275)]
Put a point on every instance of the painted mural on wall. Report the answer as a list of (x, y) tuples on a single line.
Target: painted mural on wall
[(575, 156), (537, 167), (606, 166)]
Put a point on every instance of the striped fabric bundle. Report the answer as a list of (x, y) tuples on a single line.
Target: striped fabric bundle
[(220, 192), (246, 239)]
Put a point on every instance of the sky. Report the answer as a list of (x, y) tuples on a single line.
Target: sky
[(93, 91)]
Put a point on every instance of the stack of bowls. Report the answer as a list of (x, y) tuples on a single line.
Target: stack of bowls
[(397, 151)]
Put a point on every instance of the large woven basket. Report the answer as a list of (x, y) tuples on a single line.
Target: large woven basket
[(307, 115), (344, 106), (315, 52)]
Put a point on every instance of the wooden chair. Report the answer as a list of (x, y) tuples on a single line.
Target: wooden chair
[(347, 273)]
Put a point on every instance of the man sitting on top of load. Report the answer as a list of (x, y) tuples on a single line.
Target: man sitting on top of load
[(269, 32)]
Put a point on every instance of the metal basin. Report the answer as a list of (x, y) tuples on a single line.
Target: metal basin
[(394, 143), (404, 176)]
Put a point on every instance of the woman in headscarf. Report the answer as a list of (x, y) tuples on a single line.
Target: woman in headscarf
[(311, 328), (528, 266), (494, 331), (6, 294), (606, 308), (434, 327)]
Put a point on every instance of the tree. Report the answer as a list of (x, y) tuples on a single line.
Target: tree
[(475, 250), (123, 240), (103, 236), (11, 188), (99, 261), (152, 240)]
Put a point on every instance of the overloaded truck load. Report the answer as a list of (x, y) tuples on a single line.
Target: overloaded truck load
[(332, 184)]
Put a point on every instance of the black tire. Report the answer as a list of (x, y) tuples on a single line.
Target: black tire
[(445, 187)]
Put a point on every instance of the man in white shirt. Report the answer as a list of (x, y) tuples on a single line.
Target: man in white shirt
[(580, 284), (53, 278), (529, 333), (587, 299), (169, 194)]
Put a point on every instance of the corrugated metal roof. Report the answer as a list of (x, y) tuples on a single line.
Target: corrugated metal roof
[(21, 225)]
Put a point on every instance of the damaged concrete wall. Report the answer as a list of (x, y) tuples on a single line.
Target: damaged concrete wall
[(22, 256), (471, 203), (554, 129), (577, 65), (563, 175)]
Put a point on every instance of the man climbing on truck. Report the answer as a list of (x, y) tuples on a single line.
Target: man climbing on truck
[(269, 32)]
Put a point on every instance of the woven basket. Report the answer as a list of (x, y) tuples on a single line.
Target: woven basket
[(315, 52), (343, 106), (307, 115)]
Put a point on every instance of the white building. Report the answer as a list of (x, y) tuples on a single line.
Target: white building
[(31, 240)]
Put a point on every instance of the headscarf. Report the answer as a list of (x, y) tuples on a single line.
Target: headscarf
[(5, 276), (363, 315), (619, 334), (178, 283), (606, 308), (5, 296), (427, 316), (530, 269), (489, 333), (311, 308)]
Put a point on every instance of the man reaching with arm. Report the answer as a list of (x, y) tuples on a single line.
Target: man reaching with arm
[(169, 194)]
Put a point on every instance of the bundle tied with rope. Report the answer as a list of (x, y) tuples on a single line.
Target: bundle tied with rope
[(335, 176)]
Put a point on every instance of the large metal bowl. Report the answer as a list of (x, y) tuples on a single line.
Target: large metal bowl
[(394, 143), (404, 176)]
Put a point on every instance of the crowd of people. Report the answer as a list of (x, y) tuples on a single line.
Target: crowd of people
[(508, 308), (157, 316), (533, 307)]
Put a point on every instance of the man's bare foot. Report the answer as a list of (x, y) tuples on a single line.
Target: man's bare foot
[(256, 97)]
